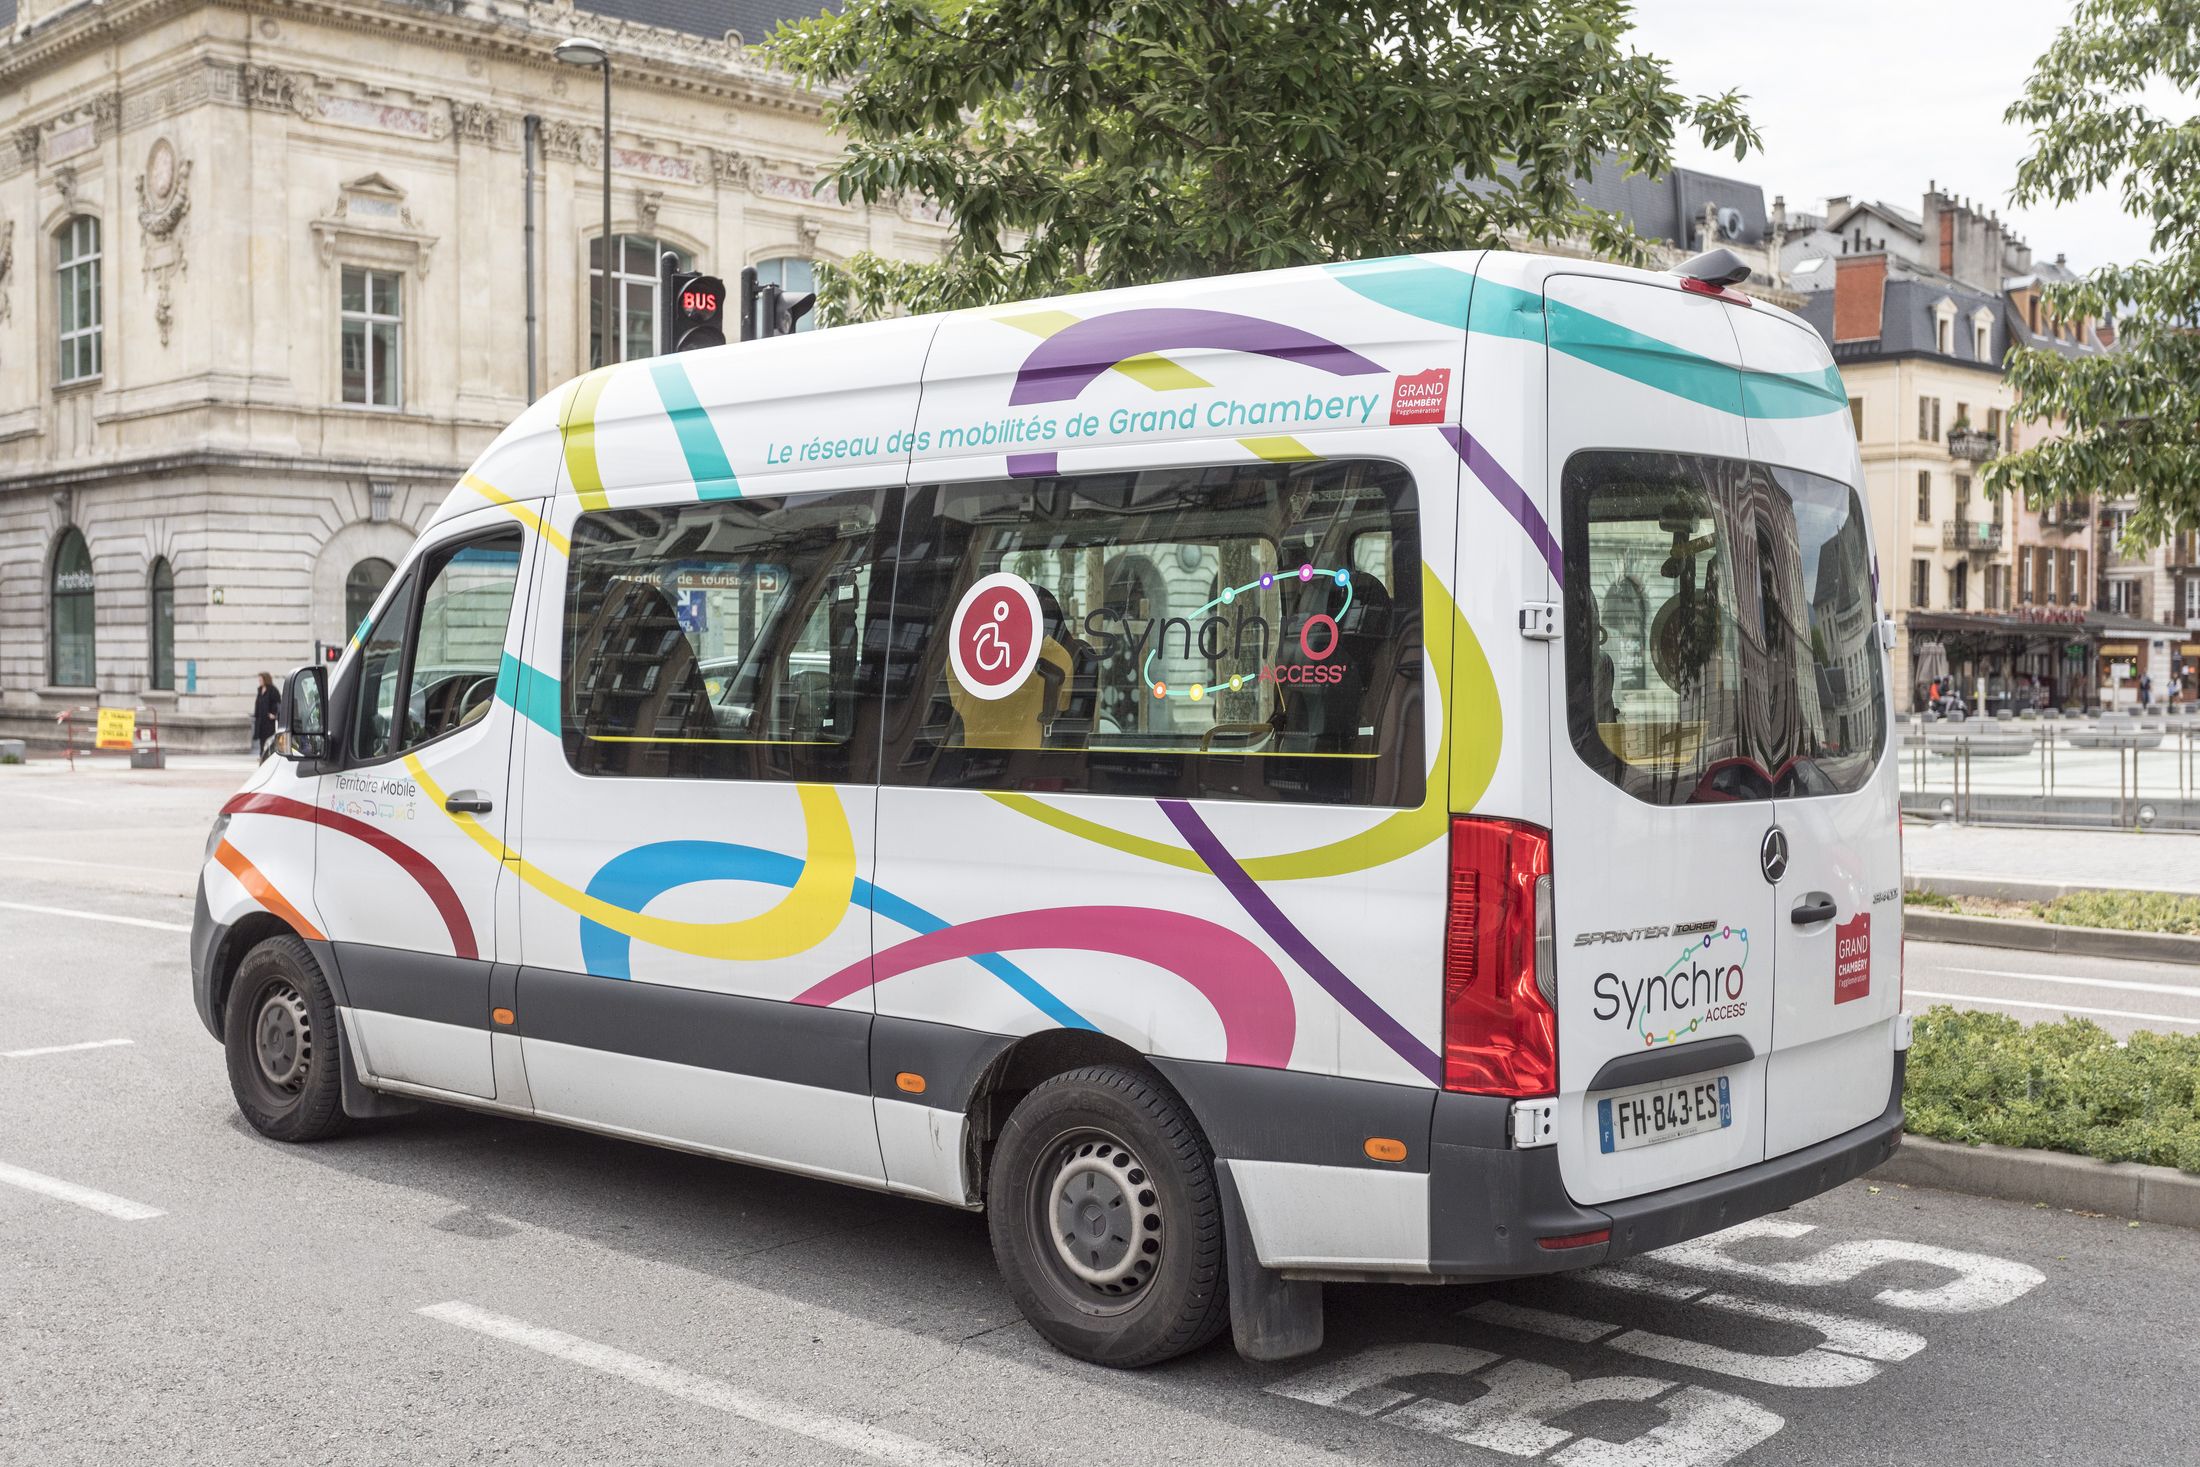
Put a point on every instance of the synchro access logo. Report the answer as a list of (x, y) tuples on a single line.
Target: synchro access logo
[(1708, 982)]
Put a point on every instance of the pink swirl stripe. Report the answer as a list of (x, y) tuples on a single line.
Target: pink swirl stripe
[(1247, 989)]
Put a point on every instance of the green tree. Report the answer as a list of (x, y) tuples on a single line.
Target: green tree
[(2131, 416), (1080, 144)]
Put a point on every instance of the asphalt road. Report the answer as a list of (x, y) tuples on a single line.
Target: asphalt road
[(456, 1288), (2121, 997)]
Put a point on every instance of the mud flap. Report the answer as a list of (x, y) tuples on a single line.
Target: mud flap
[(361, 1103), (1271, 1317)]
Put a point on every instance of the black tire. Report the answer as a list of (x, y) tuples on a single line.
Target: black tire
[(1108, 1163), (279, 1028)]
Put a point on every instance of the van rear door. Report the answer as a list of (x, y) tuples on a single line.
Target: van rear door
[(1836, 986), (1664, 919)]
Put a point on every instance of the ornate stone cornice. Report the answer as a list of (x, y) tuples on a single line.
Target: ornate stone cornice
[(571, 142)]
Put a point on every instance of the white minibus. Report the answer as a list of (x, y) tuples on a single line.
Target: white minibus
[(1367, 772)]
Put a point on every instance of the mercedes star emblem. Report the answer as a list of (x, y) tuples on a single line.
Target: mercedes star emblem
[(1773, 854)]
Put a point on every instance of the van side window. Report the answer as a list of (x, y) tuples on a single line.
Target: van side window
[(451, 677), (1721, 641), (721, 640), (1248, 632), (374, 701), (1653, 636)]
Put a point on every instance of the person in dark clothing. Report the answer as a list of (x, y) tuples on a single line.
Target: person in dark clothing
[(266, 704)]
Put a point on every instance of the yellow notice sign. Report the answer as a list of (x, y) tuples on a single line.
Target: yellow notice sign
[(117, 728)]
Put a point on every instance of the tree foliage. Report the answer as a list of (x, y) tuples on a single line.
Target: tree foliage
[(1080, 144), (2131, 416)]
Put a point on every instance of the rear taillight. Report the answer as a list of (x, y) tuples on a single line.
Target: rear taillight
[(1500, 1025)]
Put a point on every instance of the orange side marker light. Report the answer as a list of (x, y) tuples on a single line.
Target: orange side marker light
[(1383, 1148), (910, 1081), (504, 1017)]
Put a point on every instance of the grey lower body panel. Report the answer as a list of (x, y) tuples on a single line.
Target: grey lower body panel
[(1489, 1208)]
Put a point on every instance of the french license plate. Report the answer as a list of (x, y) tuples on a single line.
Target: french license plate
[(1670, 1109)]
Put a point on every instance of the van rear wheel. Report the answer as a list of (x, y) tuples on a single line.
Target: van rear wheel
[(279, 1028), (1106, 1219)]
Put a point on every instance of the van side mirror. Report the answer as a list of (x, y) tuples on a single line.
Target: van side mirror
[(304, 717)]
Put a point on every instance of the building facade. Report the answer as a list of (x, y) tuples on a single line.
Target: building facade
[(265, 290), (2029, 606)]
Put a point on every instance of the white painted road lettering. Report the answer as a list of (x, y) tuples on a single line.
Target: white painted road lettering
[(1981, 1282), (1520, 1401), (1512, 1406), (1852, 1352)]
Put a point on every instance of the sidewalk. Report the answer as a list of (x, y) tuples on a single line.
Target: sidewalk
[(2155, 861)]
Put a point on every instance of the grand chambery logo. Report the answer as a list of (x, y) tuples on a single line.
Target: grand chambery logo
[(1708, 982), (994, 639)]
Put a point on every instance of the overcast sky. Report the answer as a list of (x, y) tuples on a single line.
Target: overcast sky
[(1878, 98)]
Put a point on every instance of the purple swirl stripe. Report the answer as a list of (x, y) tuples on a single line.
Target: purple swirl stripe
[(1506, 490), (1065, 364), (1286, 935)]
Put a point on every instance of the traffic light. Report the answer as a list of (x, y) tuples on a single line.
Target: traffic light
[(693, 307), (767, 310)]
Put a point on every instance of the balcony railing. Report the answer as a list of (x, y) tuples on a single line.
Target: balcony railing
[(1973, 535), (1975, 444)]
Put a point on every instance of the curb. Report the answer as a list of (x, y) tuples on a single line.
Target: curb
[(2001, 889), (2150, 1194), (2047, 937)]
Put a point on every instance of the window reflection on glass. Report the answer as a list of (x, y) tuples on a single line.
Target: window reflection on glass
[(73, 654), (1729, 576)]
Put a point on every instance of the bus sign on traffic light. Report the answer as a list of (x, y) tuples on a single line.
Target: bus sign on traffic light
[(691, 307)]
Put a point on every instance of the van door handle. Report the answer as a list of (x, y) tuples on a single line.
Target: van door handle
[(469, 802), (1814, 906)]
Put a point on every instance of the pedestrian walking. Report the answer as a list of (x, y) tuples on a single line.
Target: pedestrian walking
[(2146, 691), (266, 704)]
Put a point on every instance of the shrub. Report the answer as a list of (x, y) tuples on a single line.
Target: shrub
[(2067, 1086), (2128, 911)]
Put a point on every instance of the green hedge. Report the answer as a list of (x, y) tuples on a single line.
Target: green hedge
[(2067, 1086), (2126, 911)]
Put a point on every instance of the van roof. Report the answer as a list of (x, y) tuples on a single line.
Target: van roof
[(1265, 361)]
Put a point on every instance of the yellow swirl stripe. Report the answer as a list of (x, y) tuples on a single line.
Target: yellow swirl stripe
[(809, 913), (552, 538), (1475, 737), (1150, 370), (1280, 450), (580, 438)]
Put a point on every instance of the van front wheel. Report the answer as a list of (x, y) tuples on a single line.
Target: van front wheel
[(1106, 1220), (279, 1028)]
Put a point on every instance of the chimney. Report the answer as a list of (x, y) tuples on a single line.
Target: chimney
[(1859, 297), (1779, 217)]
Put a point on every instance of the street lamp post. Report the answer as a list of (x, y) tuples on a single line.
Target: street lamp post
[(581, 51)]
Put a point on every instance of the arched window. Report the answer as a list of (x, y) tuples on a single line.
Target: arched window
[(72, 655), (162, 653), (634, 285), (76, 279), (1626, 622), (794, 276), (361, 586)]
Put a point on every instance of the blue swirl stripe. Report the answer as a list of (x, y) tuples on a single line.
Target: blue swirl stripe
[(632, 879)]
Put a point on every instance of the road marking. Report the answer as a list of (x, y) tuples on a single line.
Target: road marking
[(106, 1202), (837, 1431), (98, 917), (57, 799), (1521, 1400), (2179, 990), (169, 871), (63, 1048), (2057, 1008), (1982, 1281)]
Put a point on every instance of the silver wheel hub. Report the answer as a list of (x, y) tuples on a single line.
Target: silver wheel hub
[(1104, 1216), (282, 1038)]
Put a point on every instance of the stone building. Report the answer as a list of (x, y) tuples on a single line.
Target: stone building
[(265, 291), (1920, 311)]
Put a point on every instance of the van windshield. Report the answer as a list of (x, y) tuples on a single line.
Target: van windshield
[(1720, 637)]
